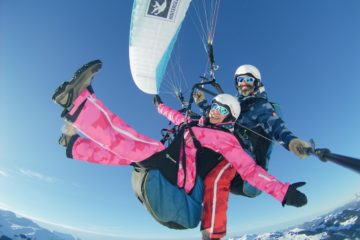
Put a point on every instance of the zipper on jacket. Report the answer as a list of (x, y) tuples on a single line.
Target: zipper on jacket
[(169, 157)]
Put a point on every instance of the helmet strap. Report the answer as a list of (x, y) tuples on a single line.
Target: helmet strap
[(229, 118)]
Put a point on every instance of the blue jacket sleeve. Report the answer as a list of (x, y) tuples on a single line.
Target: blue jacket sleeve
[(273, 125)]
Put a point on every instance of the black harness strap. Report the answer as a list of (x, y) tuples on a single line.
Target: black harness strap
[(206, 158), (195, 140), (168, 160), (183, 158)]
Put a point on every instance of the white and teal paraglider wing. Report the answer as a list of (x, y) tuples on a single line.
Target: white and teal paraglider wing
[(154, 27)]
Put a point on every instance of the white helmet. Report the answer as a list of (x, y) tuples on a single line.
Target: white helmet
[(231, 102), (248, 69)]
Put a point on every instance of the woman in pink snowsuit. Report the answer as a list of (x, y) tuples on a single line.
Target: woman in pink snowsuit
[(111, 141)]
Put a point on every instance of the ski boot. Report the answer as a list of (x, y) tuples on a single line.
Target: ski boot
[(68, 132), (64, 140), (67, 92), (205, 236)]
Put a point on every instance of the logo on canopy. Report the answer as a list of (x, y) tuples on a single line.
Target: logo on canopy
[(165, 9)]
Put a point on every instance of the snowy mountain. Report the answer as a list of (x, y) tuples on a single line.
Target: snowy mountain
[(13, 227), (342, 223)]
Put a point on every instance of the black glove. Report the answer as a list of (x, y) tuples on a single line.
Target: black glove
[(157, 100), (293, 197)]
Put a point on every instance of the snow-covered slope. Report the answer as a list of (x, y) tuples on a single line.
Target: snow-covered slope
[(18, 228), (342, 223)]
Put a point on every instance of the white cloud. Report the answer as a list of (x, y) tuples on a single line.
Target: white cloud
[(3, 174), (4, 206), (82, 232), (36, 175)]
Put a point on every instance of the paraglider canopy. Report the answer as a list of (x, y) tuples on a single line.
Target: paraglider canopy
[(153, 32)]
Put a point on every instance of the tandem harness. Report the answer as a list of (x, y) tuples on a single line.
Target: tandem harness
[(154, 182)]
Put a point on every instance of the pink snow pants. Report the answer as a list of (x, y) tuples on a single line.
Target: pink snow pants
[(109, 140)]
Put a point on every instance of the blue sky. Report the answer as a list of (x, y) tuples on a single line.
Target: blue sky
[(307, 51)]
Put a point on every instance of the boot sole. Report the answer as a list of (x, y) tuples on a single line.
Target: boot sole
[(69, 90)]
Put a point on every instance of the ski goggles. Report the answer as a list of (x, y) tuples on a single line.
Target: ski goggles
[(222, 110), (247, 79)]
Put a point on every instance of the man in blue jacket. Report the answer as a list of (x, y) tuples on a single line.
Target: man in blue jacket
[(257, 128), (259, 124)]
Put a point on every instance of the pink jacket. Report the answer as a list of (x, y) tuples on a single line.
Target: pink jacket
[(226, 144), (111, 141)]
